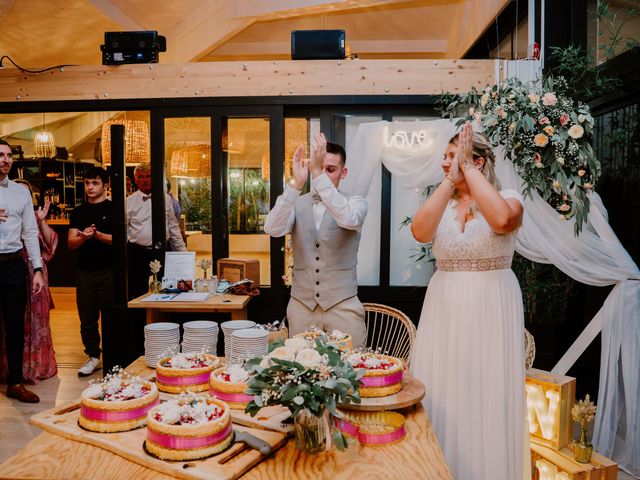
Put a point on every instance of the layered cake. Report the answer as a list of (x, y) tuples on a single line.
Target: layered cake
[(117, 403), (341, 340), (383, 373), (229, 384), (188, 428), (185, 372), (372, 428)]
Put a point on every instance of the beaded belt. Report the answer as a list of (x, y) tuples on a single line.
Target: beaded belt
[(480, 265)]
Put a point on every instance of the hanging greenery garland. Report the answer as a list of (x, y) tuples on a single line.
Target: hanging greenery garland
[(546, 134)]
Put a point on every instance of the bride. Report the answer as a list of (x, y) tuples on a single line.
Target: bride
[(469, 348)]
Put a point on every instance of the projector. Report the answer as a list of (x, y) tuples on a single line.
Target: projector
[(132, 47)]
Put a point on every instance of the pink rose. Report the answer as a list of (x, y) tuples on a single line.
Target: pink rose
[(501, 112), (564, 207), (544, 121), (549, 99), (582, 172), (564, 119)]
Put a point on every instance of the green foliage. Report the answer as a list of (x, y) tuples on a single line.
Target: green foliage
[(195, 198), (289, 383)]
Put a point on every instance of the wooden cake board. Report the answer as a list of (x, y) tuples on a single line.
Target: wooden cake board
[(228, 465)]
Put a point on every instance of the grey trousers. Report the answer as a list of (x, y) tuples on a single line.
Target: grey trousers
[(346, 316)]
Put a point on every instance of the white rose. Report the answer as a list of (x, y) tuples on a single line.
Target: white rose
[(581, 118), (533, 98), (309, 358), (265, 362), (471, 110), (296, 343), (283, 353), (560, 160), (576, 131), (94, 391), (484, 100)]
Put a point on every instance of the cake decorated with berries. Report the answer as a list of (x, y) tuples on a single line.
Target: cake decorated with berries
[(383, 373), (188, 428), (117, 403), (341, 340), (185, 372), (229, 384)]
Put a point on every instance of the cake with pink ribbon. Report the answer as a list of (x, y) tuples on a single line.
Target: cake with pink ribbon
[(188, 428), (383, 373), (229, 384), (372, 428), (185, 372), (118, 403)]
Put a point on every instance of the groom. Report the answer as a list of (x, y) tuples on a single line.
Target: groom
[(325, 227)]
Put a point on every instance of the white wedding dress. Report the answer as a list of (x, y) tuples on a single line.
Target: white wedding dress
[(469, 351)]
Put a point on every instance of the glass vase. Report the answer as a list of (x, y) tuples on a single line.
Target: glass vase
[(311, 432), (155, 286), (582, 449)]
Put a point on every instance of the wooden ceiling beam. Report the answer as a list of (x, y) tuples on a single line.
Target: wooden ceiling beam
[(269, 8), (111, 11)]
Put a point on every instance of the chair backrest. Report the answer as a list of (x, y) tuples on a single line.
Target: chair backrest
[(389, 330)]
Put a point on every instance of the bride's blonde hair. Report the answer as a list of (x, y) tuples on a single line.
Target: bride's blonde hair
[(481, 147)]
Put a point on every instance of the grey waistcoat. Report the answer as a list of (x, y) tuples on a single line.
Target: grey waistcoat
[(324, 262)]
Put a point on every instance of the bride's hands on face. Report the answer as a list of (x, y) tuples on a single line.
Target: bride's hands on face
[(464, 154)]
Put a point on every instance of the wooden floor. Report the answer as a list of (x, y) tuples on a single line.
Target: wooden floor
[(15, 430)]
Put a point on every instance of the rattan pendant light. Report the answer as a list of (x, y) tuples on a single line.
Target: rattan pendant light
[(136, 141), (44, 144)]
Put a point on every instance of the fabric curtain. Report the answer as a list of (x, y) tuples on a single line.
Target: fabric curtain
[(413, 151)]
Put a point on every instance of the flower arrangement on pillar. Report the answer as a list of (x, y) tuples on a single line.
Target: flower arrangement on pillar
[(583, 412)]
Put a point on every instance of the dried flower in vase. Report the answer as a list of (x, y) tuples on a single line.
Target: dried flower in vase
[(155, 266), (584, 411), (205, 264)]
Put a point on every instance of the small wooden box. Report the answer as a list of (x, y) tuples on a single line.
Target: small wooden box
[(234, 269), (555, 462), (556, 394)]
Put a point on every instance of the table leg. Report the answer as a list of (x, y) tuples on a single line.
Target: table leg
[(150, 315), (239, 314)]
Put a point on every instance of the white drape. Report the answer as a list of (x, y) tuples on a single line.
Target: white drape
[(412, 152)]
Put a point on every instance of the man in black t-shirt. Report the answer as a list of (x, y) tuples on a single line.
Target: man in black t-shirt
[(90, 233)]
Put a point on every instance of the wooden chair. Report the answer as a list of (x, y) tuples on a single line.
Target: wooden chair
[(529, 349), (389, 330)]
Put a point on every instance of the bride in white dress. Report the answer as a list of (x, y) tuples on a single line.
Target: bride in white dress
[(469, 348)]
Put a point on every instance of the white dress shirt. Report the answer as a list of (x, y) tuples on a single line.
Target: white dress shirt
[(139, 222), (348, 212), (21, 223)]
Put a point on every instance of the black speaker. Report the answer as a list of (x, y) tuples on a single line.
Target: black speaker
[(132, 47), (317, 44)]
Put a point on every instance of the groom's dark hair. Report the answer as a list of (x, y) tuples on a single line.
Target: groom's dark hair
[(337, 150)]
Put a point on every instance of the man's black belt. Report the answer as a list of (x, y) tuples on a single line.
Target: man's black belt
[(7, 257), (138, 246)]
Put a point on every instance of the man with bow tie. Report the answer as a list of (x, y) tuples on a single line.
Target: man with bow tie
[(325, 227), (17, 224), (140, 251)]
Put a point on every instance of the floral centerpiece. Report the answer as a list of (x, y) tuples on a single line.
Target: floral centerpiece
[(583, 412), (310, 379), (546, 133)]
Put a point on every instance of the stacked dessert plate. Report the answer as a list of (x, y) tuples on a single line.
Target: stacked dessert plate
[(160, 339), (228, 328), (249, 343), (200, 336)]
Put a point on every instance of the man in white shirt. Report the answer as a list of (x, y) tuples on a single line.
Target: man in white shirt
[(17, 224), (140, 250), (325, 227)]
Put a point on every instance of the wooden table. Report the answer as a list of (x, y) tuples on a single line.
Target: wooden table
[(236, 305), (418, 455)]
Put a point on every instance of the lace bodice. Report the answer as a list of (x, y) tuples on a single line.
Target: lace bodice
[(478, 247)]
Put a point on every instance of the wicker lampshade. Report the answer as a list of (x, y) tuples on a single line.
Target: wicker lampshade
[(193, 161), (136, 141), (44, 145)]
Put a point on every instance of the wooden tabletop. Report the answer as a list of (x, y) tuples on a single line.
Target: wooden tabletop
[(213, 303), (418, 455)]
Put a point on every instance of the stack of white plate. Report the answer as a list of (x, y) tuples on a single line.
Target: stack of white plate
[(200, 336), (162, 338), (249, 343), (228, 328)]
